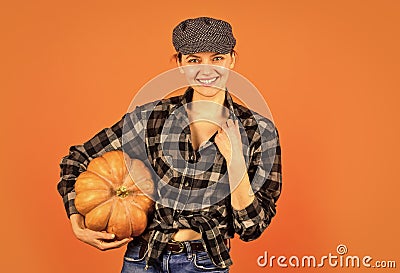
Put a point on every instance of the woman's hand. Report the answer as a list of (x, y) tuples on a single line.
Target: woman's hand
[(100, 240), (229, 141)]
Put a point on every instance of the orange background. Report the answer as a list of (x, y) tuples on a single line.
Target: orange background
[(328, 69)]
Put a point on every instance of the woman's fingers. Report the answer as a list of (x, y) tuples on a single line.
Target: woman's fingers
[(100, 240), (103, 240), (229, 123), (230, 128), (104, 245), (103, 235)]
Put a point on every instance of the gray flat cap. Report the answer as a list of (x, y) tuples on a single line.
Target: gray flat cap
[(203, 34)]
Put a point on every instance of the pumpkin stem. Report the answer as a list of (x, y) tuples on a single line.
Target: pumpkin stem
[(122, 192)]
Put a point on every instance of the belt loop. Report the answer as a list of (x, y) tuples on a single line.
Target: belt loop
[(165, 261), (188, 250)]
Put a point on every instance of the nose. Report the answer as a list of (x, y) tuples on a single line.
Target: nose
[(206, 69)]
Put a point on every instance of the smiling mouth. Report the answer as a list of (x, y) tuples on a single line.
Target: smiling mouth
[(207, 81)]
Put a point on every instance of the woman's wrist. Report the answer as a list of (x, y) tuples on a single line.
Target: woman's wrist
[(77, 223), (242, 194), (236, 163)]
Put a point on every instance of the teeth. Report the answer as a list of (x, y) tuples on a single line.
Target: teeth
[(207, 81)]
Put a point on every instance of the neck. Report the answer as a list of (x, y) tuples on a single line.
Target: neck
[(218, 98), (209, 108)]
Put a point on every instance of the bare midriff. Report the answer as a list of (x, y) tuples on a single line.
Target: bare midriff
[(186, 235)]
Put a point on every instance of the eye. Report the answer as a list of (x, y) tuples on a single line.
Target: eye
[(218, 58), (193, 60)]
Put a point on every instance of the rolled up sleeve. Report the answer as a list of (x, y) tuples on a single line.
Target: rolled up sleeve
[(265, 174)]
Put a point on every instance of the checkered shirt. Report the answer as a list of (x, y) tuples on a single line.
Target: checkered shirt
[(192, 186)]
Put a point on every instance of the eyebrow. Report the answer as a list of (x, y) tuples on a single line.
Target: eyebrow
[(191, 56), (196, 56)]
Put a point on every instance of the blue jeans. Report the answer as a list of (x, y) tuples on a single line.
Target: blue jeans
[(186, 262)]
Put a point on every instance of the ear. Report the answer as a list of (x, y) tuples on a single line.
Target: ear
[(179, 65), (233, 56)]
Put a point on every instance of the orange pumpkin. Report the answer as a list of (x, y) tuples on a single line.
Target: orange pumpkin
[(113, 199)]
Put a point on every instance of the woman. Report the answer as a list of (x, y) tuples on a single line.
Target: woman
[(221, 172)]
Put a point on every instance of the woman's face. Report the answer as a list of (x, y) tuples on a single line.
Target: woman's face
[(207, 72)]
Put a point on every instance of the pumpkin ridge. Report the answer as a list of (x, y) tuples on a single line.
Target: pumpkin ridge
[(128, 177), (140, 194), (109, 213), (112, 185), (111, 210), (143, 180), (139, 184), (99, 176), (105, 202), (128, 213), (99, 190), (114, 175), (91, 171), (136, 205)]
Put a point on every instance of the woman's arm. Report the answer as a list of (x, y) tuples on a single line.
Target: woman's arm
[(76, 162), (252, 209), (229, 143)]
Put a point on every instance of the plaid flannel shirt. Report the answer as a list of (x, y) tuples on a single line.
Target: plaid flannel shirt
[(192, 187)]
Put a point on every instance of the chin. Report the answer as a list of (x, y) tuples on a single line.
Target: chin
[(206, 91)]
